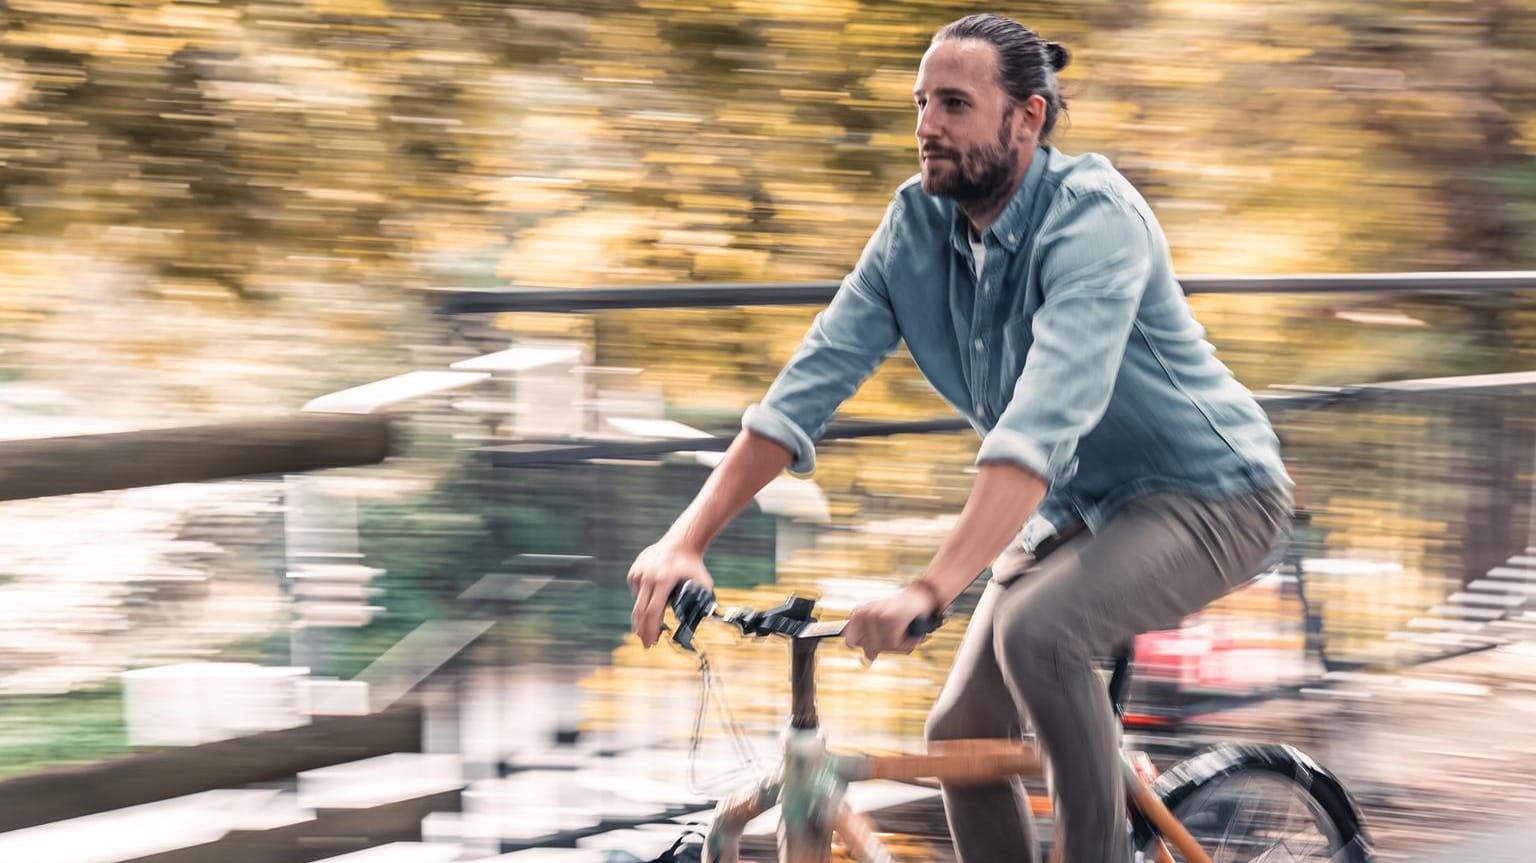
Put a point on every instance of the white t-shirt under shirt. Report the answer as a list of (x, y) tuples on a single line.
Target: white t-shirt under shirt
[(978, 251)]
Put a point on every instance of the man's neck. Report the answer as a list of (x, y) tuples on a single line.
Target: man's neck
[(981, 214)]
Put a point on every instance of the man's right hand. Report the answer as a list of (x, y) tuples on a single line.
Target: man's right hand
[(653, 575), (751, 463)]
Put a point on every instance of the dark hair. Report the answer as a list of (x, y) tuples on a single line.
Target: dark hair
[(1026, 64)]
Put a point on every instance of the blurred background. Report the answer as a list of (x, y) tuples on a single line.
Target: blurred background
[(227, 211)]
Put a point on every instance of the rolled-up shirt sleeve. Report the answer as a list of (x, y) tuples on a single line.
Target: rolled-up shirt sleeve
[(845, 343), (1095, 261)]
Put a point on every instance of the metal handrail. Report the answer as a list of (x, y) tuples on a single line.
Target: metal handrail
[(553, 451), (78, 464), (716, 295)]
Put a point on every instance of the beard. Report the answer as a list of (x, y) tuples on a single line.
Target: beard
[(977, 176)]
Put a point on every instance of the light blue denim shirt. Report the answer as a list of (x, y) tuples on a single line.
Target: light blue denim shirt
[(1074, 353)]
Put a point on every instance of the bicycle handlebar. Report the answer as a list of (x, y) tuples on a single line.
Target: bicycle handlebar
[(693, 603)]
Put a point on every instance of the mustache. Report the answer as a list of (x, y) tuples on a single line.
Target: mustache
[(929, 152)]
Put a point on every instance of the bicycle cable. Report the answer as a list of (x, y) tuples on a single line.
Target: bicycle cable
[(746, 753)]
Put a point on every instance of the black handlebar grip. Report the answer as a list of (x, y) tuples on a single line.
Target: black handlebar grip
[(691, 602), (925, 625)]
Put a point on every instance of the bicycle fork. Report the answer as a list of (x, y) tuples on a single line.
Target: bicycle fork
[(809, 789)]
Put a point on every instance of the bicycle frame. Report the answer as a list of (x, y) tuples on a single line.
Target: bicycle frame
[(809, 786)]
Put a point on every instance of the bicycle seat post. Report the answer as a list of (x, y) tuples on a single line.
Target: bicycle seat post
[(802, 681)]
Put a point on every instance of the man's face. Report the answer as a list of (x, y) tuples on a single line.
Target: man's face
[(968, 136)]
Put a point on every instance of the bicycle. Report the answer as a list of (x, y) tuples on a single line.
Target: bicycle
[(1193, 806)]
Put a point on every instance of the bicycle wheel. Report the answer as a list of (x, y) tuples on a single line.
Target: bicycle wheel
[(1260, 804)]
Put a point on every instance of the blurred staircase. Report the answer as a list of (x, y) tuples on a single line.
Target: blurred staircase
[(1493, 610)]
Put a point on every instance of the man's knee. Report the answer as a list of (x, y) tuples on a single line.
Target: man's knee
[(1031, 635), (962, 719)]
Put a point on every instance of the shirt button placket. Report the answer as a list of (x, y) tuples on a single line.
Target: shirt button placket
[(981, 382), (983, 312)]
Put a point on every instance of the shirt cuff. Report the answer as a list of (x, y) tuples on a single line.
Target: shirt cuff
[(1004, 445), (774, 425)]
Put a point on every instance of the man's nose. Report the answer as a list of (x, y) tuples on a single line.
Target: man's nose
[(928, 127)]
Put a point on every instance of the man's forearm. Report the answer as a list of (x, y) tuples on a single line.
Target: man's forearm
[(1003, 498), (751, 463)]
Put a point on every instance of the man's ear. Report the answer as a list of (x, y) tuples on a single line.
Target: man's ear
[(1032, 118)]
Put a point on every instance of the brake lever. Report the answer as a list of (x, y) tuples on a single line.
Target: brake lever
[(691, 603)]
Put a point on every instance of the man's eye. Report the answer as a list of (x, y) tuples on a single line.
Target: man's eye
[(955, 103)]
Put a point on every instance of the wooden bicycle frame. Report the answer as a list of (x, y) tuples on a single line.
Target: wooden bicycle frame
[(809, 786)]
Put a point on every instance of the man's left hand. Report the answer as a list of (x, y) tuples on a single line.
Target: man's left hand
[(881, 626)]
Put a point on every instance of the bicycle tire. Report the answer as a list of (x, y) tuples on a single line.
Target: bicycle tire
[(1199, 789)]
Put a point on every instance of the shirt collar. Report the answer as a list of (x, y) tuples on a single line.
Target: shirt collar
[(1012, 226)]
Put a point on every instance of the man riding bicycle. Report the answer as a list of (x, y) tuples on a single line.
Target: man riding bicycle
[(1035, 292)]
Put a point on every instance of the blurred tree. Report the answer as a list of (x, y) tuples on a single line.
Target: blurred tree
[(210, 207)]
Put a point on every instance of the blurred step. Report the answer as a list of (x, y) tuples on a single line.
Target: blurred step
[(163, 774), (380, 780), (400, 852), (489, 835), (230, 826), (1514, 628), (645, 842), (1444, 639), (1512, 573), (1466, 612), (874, 797), (1507, 586), (332, 832), (1445, 624), (1515, 622), (557, 808), (1489, 599), (150, 829), (555, 855)]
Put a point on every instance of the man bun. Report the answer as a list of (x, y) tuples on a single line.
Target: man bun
[(1058, 54)]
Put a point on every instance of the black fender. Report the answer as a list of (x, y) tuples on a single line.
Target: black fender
[(1187, 777)]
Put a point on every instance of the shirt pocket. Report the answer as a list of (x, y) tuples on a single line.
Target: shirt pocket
[(1018, 336)]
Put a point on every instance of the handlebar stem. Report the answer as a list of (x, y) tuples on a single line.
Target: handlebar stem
[(802, 681)]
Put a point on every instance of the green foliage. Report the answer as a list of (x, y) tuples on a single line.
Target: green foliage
[(81, 727)]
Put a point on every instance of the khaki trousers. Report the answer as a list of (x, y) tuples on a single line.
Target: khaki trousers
[(1030, 651)]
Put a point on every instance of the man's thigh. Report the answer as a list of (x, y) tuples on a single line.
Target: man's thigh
[(1160, 558)]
